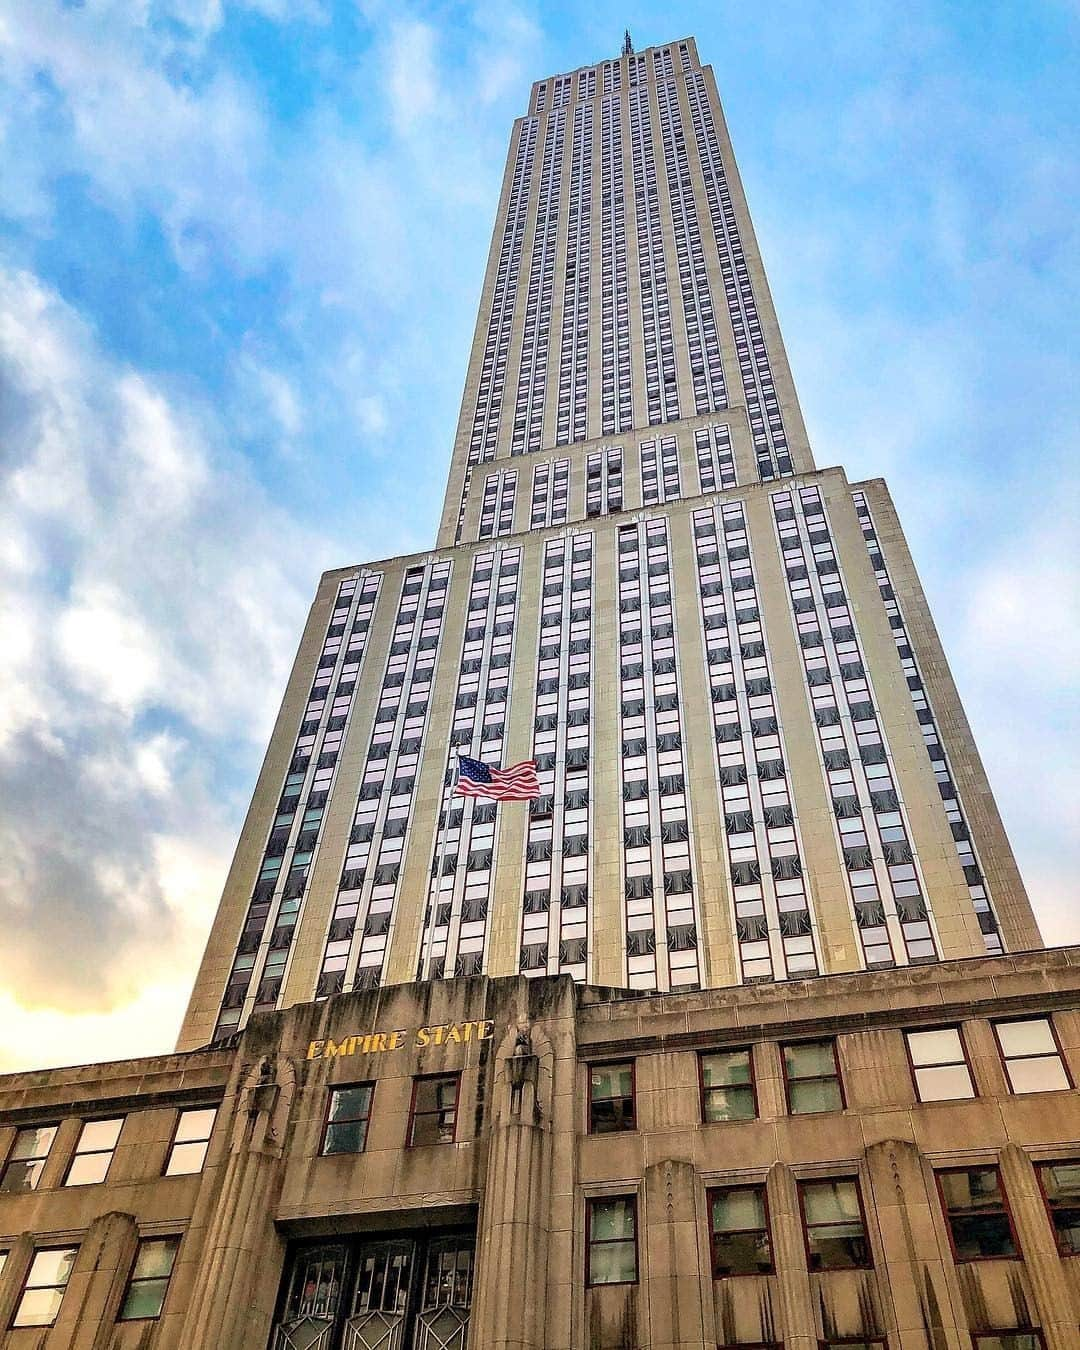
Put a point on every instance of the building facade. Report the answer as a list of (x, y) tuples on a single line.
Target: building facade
[(742, 1033)]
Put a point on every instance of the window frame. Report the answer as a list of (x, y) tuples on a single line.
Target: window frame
[(812, 1040), (43, 1158), (959, 1260), (613, 1064), (1048, 1019), (741, 1186), (702, 1089), (93, 1152), (981, 1338), (1040, 1164), (853, 1177), (591, 1201), (132, 1280), (410, 1125), (327, 1122), (965, 1060), (24, 1286), (181, 1111)]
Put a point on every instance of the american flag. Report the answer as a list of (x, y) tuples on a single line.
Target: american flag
[(518, 783)]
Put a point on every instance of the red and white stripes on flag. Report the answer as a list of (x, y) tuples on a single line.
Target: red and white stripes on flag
[(518, 783)]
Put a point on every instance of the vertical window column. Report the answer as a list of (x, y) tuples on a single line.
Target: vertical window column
[(603, 482), (363, 912), (660, 913), (950, 795), (716, 462), (574, 353), (615, 382), (554, 930)]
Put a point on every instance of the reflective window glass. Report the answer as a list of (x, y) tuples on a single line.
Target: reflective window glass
[(1031, 1056), (612, 1237), (939, 1065), (727, 1086)]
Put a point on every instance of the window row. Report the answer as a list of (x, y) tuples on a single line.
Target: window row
[(433, 1114), (50, 1270)]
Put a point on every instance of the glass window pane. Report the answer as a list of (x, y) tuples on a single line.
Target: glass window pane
[(144, 1299), (729, 1103), (185, 1159), (38, 1308), (1037, 1075), (348, 1103), (809, 1059), (1062, 1181), (742, 1254), (935, 1047), (612, 1263), (34, 1143), (52, 1266), (1030, 1037), (611, 1080), (739, 1208), (347, 1137), (815, 1096), (610, 1219), (978, 1236), (21, 1176), (99, 1134), (155, 1258), (87, 1170), (723, 1068), (195, 1124), (973, 1189), (942, 1084), (830, 1202)]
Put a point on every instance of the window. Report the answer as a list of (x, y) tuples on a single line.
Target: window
[(612, 1238), (149, 1281), (347, 1119), (846, 1343), (812, 1077), (22, 1171), (433, 1114), (939, 1065), (93, 1152), (611, 1098), (739, 1224), (727, 1086), (187, 1153), (43, 1291), (833, 1222), (1031, 1055), (1061, 1186), (1008, 1340), (974, 1205)]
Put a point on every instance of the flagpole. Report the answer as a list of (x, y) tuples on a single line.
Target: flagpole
[(435, 883)]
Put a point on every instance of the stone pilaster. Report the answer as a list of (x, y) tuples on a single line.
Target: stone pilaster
[(678, 1272), (789, 1259)]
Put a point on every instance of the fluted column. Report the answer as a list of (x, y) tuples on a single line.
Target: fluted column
[(92, 1298), (677, 1310), (1050, 1289), (225, 1306), (789, 1258)]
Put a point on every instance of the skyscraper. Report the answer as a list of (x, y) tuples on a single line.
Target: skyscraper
[(753, 760), (569, 1075)]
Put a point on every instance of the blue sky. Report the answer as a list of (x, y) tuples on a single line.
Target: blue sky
[(241, 246)]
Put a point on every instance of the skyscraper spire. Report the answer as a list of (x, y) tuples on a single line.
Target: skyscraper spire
[(627, 43)]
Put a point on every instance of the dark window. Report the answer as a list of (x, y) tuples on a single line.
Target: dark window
[(833, 1223), (1031, 1055), (612, 1238), (1061, 1186), (611, 1098), (22, 1171), (727, 1085), (979, 1223), (812, 1077), (939, 1065), (433, 1114), (149, 1282), (347, 1117), (739, 1228), (1008, 1340)]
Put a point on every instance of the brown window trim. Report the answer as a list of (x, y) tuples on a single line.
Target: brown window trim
[(978, 1338), (180, 1112), (1018, 1255), (944, 1026), (344, 1087), (726, 1050), (748, 1186), (428, 1077), (131, 1280), (1039, 1164), (996, 1022), (819, 1078), (590, 1202), (853, 1177)]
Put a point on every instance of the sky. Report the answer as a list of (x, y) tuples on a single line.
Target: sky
[(241, 247)]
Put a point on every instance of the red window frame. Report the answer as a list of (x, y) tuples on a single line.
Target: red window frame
[(1039, 1017), (181, 1111), (812, 1040), (614, 1064), (1017, 1255), (945, 1026), (591, 1202), (980, 1338), (1040, 1164), (748, 1186), (428, 1078), (345, 1087), (726, 1050), (800, 1184)]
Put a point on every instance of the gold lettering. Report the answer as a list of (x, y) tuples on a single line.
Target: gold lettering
[(423, 1037), (485, 1029), (439, 1033), (453, 1034), (315, 1049), (332, 1048), (467, 1030), (397, 1039), (378, 1042)]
